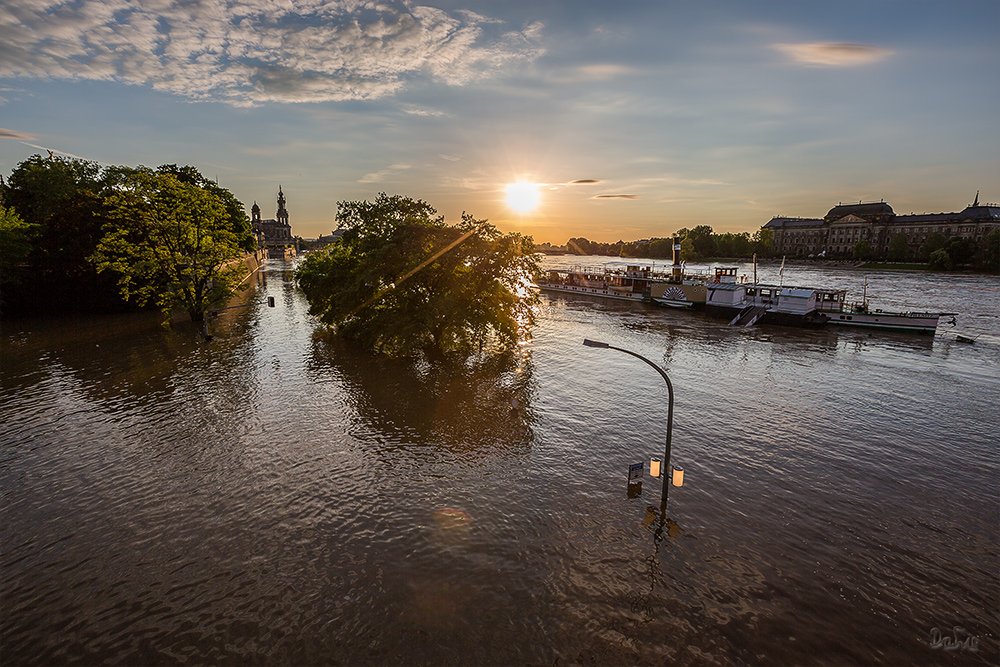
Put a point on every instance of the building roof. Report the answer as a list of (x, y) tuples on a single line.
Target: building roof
[(793, 222), (865, 211), (924, 218), (987, 212)]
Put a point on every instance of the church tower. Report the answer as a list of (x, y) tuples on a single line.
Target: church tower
[(255, 213), (282, 214)]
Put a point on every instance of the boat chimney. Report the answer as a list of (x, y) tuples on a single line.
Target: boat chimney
[(676, 271)]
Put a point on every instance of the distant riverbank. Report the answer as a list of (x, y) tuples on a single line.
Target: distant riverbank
[(799, 261)]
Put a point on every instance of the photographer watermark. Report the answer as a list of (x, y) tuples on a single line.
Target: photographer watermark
[(958, 640)]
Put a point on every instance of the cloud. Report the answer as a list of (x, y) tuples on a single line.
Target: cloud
[(832, 54), (246, 52), (420, 111), (379, 176), (449, 158), (14, 134), (672, 180), (585, 181), (616, 196)]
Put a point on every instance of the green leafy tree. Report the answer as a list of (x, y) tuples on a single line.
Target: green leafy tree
[(579, 246), (763, 242), (238, 221), (703, 241), (899, 248), (988, 253), (936, 241), (660, 248), (961, 250), (688, 251), (14, 247), (940, 260), (170, 242), (61, 200), (744, 245), (402, 281), (862, 250)]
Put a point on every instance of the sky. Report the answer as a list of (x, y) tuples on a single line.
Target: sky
[(627, 120)]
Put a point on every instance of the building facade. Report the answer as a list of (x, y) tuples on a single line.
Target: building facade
[(272, 232), (845, 225)]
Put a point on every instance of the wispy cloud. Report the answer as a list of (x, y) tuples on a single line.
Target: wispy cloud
[(250, 51), (832, 54), (379, 176), (616, 197), (421, 111), (674, 180), (585, 181), (14, 134)]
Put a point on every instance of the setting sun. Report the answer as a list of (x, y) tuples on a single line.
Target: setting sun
[(522, 197)]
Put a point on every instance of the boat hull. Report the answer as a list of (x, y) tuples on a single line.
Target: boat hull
[(765, 315), (915, 322)]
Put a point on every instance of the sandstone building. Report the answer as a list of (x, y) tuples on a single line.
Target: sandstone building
[(845, 225)]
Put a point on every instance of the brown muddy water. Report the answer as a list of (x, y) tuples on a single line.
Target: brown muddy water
[(277, 497)]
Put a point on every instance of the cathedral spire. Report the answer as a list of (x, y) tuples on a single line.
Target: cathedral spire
[(282, 214)]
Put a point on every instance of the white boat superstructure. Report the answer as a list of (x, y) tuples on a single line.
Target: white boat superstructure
[(861, 315), (746, 304)]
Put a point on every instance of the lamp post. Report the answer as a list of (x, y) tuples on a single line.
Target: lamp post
[(670, 410)]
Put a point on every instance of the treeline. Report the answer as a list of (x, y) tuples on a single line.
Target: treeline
[(78, 237), (942, 253), (938, 251), (698, 243)]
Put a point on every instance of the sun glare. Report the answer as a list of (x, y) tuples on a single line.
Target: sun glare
[(522, 197)]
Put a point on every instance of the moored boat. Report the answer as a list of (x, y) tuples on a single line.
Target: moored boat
[(861, 315), (746, 304), (629, 283), (689, 290)]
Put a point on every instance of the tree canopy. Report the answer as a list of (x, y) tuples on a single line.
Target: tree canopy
[(401, 281), (170, 242), (68, 208), (62, 202), (698, 243), (14, 247)]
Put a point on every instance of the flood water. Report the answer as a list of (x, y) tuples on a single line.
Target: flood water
[(277, 497)]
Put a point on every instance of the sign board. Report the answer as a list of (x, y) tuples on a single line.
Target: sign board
[(635, 471)]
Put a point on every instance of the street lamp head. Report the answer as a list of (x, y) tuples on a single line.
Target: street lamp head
[(594, 343)]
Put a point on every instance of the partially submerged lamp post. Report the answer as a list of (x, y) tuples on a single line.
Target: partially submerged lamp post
[(666, 473)]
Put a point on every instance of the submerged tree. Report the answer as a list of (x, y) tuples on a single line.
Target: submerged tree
[(60, 199), (14, 247), (170, 242), (401, 280)]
